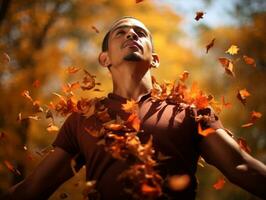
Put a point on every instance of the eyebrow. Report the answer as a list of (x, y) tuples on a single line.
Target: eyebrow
[(126, 26)]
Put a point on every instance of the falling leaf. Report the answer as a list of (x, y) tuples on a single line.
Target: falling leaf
[(6, 58), (11, 168), (228, 66), (67, 88), (133, 121), (199, 15), (88, 81), (34, 117), (249, 61), (253, 118), (184, 76), (206, 131), (242, 95), (138, 1), (225, 104), (72, 70), (243, 145), (36, 83), (52, 128), (149, 190), (210, 45), (219, 184), (26, 94), (95, 29), (232, 50), (36, 107), (178, 182)]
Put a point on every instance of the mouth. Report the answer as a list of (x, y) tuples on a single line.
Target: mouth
[(132, 44)]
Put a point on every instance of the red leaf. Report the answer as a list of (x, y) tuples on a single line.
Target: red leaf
[(36, 83), (219, 184), (249, 61)]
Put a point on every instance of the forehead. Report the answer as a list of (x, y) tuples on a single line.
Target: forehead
[(128, 22)]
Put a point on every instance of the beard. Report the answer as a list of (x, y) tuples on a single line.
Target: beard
[(132, 57)]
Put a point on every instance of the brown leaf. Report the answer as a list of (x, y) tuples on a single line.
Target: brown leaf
[(228, 66), (199, 15), (242, 95), (95, 29), (210, 45), (26, 94), (219, 184), (249, 61), (88, 81)]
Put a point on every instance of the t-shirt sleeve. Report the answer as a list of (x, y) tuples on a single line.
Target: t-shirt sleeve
[(67, 136)]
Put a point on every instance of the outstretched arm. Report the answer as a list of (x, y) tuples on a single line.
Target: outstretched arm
[(45, 179), (222, 151)]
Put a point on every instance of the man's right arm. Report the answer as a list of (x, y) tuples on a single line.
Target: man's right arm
[(45, 179)]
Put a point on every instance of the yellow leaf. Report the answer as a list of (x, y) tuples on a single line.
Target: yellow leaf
[(232, 50)]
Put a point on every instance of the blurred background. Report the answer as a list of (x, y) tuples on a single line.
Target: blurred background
[(40, 40)]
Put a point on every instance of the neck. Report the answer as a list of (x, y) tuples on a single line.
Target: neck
[(131, 81)]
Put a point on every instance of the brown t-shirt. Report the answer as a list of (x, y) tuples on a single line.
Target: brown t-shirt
[(175, 136)]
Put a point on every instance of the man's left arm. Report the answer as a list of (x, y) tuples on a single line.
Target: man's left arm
[(222, 151)]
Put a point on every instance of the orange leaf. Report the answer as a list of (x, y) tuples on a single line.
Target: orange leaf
[(150, 190), (254, 116), (179, 182), (6, 58), (219, 184), (242, 95), (249, 61), (210, 45), (227, 105), (184, 76), (114, 127), (72, 70), (134, 121), (247, 125), (243, 145), (232, 50), (199, 15), (130, 106), (138, 1), (205, 132), (26, 94)]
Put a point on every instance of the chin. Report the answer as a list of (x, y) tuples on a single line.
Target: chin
[(133, 57)]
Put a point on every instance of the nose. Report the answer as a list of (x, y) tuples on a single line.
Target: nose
[(131, 34)]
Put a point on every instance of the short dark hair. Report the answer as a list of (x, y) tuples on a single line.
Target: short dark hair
[(107, 35)]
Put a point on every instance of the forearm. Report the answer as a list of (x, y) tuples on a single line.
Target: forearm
[(250, 175)]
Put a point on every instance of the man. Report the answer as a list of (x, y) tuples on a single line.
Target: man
[(128, 53)]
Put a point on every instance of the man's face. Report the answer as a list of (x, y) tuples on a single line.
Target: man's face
[(129, 40)]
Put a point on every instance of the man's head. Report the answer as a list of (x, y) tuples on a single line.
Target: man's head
[(127, 40)]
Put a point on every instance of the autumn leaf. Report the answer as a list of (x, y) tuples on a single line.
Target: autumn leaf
[(249, 61), (225, 104), (34, 117), (210, 45), (228, 66), (52, 128), (243, 145), (36, 83), (138, 1), (72, 70), (184, 76), (6, 58), (253, 118), (67, 88), (11, 168), (133, 121), (88, 81), (130, 106), (113, 127), (199, 15), (150, 190), (232, 50), (219, 184), (178, 182), (95, 29), (242, 95), (26, 94), (205, 132), (36, 107)]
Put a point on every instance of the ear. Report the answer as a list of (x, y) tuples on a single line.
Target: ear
[(155, 61), (103, 59)]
